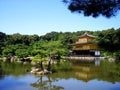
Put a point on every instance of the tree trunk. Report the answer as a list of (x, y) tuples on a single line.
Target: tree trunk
[(49, 65), (41, 66)]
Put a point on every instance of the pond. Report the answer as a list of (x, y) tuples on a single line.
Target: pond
[(83, 76)]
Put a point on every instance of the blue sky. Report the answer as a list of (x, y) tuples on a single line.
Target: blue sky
[(43, 16)]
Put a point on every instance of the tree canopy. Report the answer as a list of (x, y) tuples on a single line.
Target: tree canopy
[(94, 8), (54, 43)]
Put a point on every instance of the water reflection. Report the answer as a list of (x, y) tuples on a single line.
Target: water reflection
[(110, 71), (86, 72), (1, 71), (15, 69), (97, 61), (83, 76), (43, 84)]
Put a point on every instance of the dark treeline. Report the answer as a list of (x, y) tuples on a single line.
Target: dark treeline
[(55, 43)]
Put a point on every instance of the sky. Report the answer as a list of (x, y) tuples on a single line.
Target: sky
[(44, 16)]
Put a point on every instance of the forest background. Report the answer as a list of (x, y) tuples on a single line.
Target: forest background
[(56, 43)]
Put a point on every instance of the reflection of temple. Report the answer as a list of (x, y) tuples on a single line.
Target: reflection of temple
[(85, 46), (86, 73)]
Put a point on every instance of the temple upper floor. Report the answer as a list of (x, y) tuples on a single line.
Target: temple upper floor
[(85, 38)]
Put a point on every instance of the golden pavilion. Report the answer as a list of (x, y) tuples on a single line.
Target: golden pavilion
[(85, 46)]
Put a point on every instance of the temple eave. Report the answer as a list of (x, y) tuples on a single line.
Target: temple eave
[(74, 44)]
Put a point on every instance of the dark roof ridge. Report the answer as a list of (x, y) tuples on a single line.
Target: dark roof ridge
[(86, 34)]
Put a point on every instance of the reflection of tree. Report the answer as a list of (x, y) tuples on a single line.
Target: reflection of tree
[(110, 71), (14, 69), (107, 71), (46, 84), (1, 72)]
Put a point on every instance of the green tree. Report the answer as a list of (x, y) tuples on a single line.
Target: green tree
[(109, 41), (19, 50), (39, 59), (28, 39), (2, 39), (105, 40), (44, 50), (50, 36), (8, 51)]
